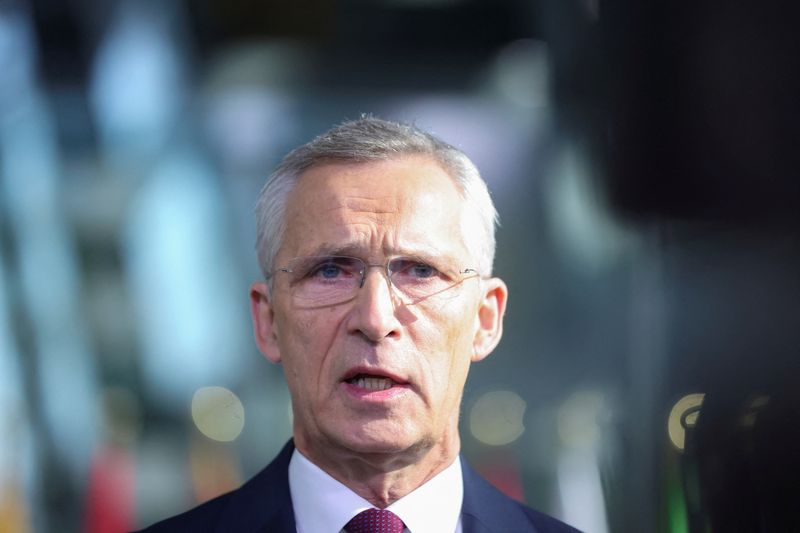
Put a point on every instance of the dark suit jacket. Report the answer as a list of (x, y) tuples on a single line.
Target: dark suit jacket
[(263, 505)]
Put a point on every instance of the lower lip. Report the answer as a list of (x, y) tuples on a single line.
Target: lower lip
[(375, 395)]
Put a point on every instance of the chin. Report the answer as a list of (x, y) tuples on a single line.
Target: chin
[(370, 442)]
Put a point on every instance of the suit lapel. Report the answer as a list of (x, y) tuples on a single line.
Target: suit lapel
[(264, 503), (486, 510)]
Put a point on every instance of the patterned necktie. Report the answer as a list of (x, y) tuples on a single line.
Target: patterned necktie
[(375, 521)]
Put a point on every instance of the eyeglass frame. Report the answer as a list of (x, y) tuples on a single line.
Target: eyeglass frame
[(467, 273)]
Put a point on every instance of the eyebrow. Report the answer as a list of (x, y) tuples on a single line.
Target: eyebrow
[(427, 253)]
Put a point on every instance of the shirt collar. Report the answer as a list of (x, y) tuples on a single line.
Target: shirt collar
[(434, 506), (322, 504)]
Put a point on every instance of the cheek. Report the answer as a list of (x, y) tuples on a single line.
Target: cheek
[(460, 341), (449, 362), (299, 331), (457, 331), (305, 341)]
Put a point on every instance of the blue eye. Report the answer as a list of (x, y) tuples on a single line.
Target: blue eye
[(413, 270), (421, 270), (329, 271), (331, 268)]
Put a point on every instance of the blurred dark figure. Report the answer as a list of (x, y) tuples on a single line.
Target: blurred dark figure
[(704, 109), (700, 142), (744, 456)]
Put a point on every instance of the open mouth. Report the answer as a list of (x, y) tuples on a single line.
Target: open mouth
[(372, 383)]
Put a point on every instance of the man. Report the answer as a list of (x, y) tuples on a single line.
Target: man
[(376, 241)]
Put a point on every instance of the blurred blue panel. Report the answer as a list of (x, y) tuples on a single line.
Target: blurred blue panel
[(49, 280), (137, 85), (498, 137), (16, 58), (247, 124), (191, 304), (16, 450)]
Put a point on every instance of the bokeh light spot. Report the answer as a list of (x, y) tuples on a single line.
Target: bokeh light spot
[(579, 419), (682, 416), (496, 418), (218, 413)]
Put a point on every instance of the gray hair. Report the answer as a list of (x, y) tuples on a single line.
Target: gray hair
[(372, 139)]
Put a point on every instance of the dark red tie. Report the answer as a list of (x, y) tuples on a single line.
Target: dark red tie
[(375, 521)]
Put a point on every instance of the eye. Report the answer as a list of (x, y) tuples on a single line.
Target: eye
[(328, 271), (421, 270), (413, 270), (332, 268)]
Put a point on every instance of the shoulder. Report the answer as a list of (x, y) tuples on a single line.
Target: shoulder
[(486, 509), (262, 504), (205, 517)]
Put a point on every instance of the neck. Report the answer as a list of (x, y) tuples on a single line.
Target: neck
[(382, 478)]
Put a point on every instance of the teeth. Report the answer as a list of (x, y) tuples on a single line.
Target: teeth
[(373, 383)]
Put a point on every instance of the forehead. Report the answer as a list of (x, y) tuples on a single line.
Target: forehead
[(394, 206)]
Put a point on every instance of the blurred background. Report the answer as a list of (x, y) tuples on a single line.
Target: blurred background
[(642, 156)]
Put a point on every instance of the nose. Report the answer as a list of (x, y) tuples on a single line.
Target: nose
[(375, 311)]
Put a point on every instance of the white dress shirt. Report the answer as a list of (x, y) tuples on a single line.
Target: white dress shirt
[(323, 505)]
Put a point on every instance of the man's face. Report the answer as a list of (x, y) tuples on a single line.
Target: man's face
[(373, 211)]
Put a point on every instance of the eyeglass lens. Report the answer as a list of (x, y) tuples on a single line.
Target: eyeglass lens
[(331, 279)]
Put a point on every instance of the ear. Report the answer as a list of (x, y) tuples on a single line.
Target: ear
[(489, 319), (264, 322)]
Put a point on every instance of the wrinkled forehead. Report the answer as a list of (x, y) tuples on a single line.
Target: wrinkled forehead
[(409, 201)]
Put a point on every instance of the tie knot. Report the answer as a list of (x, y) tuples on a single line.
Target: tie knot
[(375, 521)]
